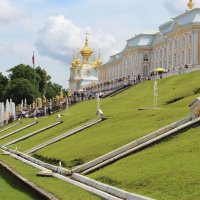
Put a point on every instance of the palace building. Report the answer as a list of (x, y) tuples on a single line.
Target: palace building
[(176, 45), (83, 72)]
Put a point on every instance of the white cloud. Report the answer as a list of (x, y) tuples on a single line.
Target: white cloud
[(59, 36), (9, 13)]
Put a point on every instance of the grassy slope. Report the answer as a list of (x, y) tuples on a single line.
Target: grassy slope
[(125, 123), (42, 122), (10, 189), (60, 189), (167, 171), (70, 121), (24, 123)]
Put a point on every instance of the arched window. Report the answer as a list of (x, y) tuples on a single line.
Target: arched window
[(175, 44), (174, 59), (190, 39), (145, 71), (179, 59), (145, 57), (183, 41), (189, 56), (183, 57)]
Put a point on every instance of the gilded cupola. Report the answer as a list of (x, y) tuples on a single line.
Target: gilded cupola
[(74, 60), (78, 61), (95, 60), (99, 62), (86, 51)]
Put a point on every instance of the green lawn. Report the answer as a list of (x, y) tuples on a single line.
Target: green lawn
[(167, 171), (124, 122), (24, 123), (70, 120), (60, 189), (11, 189)]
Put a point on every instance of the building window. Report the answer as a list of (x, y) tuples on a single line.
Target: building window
[(183, 41), (190, 39), (145, 71), (183, 57), (174, 59), (175, 44), (179, 43), (189, 56), (145, 57)]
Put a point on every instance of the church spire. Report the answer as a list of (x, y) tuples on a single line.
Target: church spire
[(190, 5)]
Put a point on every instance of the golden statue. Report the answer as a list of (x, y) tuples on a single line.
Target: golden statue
[(197, 112), (61, 95), (39, 102), (190, 4), (44, 99)]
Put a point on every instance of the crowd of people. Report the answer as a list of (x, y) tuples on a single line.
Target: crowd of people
[(109, 86)]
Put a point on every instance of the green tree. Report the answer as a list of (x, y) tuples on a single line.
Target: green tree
[(19, 89), (3, 84), (53, 89), (44, 78)]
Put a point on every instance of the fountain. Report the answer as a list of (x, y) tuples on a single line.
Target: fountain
[(155, 99)]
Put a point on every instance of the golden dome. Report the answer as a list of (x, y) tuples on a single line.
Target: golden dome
[(99, 62), (78, 61), (95, 61), (73, 63), (86, 51)]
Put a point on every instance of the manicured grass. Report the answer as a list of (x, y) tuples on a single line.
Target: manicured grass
[(42, 122), (60, 189), (166, 171), (70, 120), (11, 189), (9, 125), (125, 123), (24, 123)]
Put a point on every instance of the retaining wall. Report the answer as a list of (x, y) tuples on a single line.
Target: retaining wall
[(108, 189)]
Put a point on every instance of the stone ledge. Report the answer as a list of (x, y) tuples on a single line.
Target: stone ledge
[(108, 189)]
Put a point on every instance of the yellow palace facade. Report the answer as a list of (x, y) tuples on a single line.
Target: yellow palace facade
[(177, 44)]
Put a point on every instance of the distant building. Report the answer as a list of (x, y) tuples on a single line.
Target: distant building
[(177, 44), (84, 73)]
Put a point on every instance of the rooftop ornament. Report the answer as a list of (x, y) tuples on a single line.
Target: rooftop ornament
[(190, 5)]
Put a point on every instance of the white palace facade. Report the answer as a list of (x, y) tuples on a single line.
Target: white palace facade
[(177, 44)]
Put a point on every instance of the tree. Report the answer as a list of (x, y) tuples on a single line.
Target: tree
[(43, 80), (19, 89), (53, 89), (3, 83)]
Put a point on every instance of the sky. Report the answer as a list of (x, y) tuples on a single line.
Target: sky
[(55, 28)]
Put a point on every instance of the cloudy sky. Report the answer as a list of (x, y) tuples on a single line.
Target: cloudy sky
[(53, 28)]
